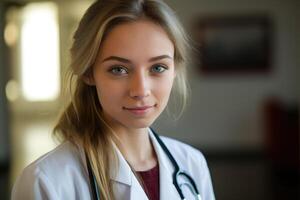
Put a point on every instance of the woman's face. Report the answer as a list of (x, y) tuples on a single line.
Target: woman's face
[(134, 74)]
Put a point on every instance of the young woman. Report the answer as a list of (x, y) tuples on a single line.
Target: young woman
[(127, 57)]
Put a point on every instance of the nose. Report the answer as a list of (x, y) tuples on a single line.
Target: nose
[(139, 86)]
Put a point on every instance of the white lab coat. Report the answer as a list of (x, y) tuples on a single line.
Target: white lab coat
[(62, 174)]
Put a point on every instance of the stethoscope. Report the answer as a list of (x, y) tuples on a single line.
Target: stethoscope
[(176, 175)]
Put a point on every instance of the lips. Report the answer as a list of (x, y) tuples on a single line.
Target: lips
[(139, 110)]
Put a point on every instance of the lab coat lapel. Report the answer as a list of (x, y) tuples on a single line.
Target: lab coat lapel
[(137, 191), (126, 185), (167, 189)]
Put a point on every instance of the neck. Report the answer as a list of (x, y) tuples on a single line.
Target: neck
[(136, 147)]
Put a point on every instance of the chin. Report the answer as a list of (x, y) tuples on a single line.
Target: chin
[(137, 124)]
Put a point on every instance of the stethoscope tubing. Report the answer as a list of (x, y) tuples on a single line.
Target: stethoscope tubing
[(93, 182), (177, 172)]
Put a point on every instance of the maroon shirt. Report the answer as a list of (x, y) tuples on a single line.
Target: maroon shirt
[(150, 179)]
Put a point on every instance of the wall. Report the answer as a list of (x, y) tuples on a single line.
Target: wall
[(4, 145), (225, 112), (297, 26)]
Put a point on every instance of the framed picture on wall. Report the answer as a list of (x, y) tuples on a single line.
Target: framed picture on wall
[(230, 44)]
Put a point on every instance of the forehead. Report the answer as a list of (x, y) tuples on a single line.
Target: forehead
[(137, 40)]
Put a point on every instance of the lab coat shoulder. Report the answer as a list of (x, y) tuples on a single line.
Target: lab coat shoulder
[(53, 176), (182, 150), (192, 160)]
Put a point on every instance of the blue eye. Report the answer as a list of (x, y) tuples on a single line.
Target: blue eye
[(118, 70), (158, 68)]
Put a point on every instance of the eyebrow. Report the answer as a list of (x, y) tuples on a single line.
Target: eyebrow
[(124, 60)]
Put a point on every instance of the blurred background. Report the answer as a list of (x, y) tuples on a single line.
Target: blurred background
[(243, 113)]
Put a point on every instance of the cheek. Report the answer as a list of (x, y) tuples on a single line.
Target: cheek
[(164, 88), (108, 93)]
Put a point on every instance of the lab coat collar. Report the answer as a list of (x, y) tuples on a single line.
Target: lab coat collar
[(124, 174)]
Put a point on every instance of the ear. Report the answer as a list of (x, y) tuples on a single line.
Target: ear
[(88, 78), (89, 81)]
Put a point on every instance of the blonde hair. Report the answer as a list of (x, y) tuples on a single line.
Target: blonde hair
[(82, 121)]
